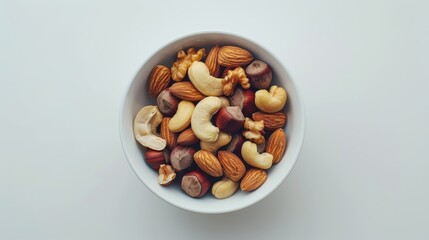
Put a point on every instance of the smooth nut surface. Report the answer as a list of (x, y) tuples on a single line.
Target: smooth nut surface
[(271, 102), (224, 188), (250, 154), (201, 119), (200, 76), (145, 124), (182, 119), (222, 140)]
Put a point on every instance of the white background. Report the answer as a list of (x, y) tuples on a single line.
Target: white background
[(362, 68)]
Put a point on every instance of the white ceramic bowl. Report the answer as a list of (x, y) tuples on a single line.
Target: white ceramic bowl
[(137, 96)]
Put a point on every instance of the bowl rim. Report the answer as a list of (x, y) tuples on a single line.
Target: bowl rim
[(196, 34)]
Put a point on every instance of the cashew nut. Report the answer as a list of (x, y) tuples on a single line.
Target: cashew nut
[(250, 154), (200, 76), (272, 101), (181, 120), (200, 121), (145, 124), (224, 188), (222, 140), (225, 101)]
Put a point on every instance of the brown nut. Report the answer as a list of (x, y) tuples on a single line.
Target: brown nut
[(232, 166), (253, 179), (166, 175), (169, 136), (208, 162), (232, 56), (276, 145), (158, 80), (259, 74), (167, 103), (182, 157), (245, 100), (187, 137), (272, 121), (155, 158), (211, 61), (195, 184), (186, 91), (235, 144), (229, 119)]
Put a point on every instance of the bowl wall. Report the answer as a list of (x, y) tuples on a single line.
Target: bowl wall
[(137, 97)]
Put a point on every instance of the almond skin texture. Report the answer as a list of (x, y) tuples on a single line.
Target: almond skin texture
[(276, 145), (208, 162), (169, 136), (187, 137), (211, 61), (253, 179), (272, 121), (232, 166), (186, 91), (231, 56), (158, 80)]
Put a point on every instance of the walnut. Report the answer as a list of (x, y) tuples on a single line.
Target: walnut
[(255, 126), (255, 131), (238, 75), (255, 137), (184, 61)]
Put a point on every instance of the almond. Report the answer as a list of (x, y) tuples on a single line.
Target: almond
[(231, 56), (272, 121), (187, 137), (211, 61), (253, 179), (158, 79), (232, 166), (208, 162), (186, 91), (276, 145), (169, 136)]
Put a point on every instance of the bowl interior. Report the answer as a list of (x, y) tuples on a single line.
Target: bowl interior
[(137, 97)]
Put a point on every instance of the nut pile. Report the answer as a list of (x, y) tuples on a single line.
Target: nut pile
[(217, 123)]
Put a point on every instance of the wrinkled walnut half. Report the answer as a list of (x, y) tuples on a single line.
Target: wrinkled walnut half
[(238, 75), (255, 137), (255, 126), (184, 61)]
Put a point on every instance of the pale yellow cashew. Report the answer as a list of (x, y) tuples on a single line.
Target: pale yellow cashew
[(200, 76), (145, 124), (271, 102), (222, 140), (200, 121), (224, 188), (225, 101), (181, 120), (250, 154)]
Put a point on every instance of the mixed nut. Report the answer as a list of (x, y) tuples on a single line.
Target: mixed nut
[(220, 121)]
